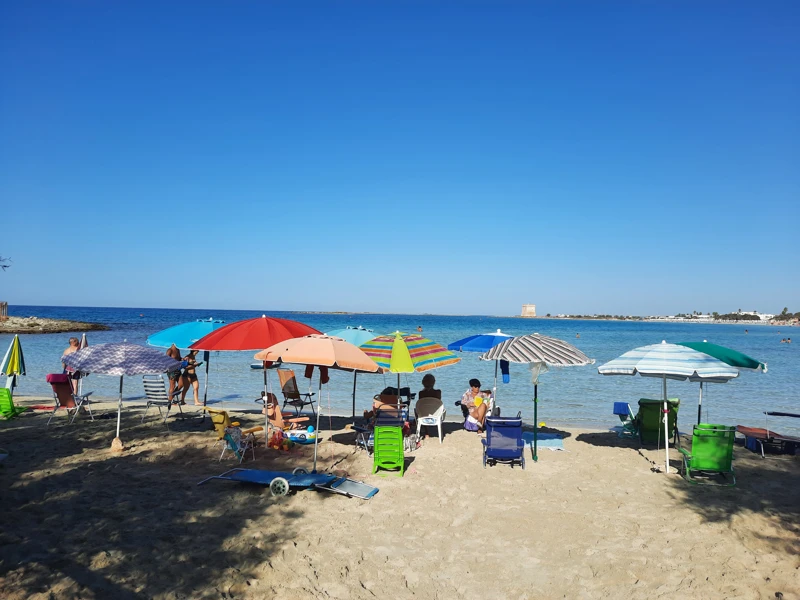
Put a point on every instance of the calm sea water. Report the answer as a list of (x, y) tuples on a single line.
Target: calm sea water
[(577, 395)]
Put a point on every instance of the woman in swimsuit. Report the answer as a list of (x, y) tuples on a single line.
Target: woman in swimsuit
[(176, 381), (190, 378)]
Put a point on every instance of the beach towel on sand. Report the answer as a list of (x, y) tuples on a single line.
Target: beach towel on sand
[(552, 441)]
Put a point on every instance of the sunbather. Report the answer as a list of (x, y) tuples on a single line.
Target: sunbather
[(190, 378), (473, 404)]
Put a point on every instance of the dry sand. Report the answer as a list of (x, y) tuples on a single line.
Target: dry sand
[(591, 522)]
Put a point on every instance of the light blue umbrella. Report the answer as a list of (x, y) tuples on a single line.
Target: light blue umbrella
[(483, 342), (183, 336), (356, 336), (669, 361)]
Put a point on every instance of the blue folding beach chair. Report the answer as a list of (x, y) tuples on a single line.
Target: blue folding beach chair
[(503, 441), (627, 418)]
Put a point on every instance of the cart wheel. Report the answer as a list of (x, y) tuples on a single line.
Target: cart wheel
[(299, 471), (279, 487)]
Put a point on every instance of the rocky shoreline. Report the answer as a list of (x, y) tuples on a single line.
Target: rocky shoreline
[(40, 325)]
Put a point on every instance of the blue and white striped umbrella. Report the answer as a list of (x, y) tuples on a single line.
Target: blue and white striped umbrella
[(120, 359), (669, 361)]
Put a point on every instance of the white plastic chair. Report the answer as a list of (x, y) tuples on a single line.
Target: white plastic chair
[(430, 413)]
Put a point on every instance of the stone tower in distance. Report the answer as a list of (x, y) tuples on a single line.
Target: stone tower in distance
[(528, 310)]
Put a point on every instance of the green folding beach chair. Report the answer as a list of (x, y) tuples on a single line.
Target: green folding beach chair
[(650, 421), (7, 408), (388, 449), (711, 454)]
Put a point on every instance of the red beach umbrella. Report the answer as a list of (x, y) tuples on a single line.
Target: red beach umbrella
[(253, 334), (250, 334)]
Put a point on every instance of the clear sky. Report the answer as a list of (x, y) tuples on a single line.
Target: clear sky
[(462, 157)]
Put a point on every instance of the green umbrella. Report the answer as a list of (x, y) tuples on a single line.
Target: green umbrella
[(729, 356)]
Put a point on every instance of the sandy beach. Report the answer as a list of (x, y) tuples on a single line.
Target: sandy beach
[(593, 521)]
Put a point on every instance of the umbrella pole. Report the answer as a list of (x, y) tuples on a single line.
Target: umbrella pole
[(666, 427), (494, 389), (700, 404), (316, 430), (207, 358), (535, 421), (355, 374)]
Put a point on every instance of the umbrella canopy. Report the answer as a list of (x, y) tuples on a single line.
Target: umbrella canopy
[(120, 359), (481, 342), (13, 363), (727, 355), (403, 353), (185, 334), (252, 334), (321, 351), (669, 361), (672, 361), (541, 352), (535, 348), (355, 335)]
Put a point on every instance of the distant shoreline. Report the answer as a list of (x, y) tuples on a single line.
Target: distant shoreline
[(17, 325)]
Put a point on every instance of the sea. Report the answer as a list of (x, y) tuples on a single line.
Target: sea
[(573, 396)]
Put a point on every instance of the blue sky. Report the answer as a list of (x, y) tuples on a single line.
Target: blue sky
[(444, 157)]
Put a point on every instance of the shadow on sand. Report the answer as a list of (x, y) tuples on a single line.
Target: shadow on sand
[(78, 521)]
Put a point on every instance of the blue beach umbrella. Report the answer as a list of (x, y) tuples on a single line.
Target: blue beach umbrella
[(356, 336), (183, 336), (483, 342)]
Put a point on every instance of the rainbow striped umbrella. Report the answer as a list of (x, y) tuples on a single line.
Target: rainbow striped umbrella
[(404, 353)]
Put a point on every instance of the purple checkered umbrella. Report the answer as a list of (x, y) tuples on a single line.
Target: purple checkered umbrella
[(120, 359)]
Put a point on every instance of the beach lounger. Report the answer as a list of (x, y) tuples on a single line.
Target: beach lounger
[(291, 394), (650, 421), (627, 418), (757, 439), (711, 454), (7, 408), (64, 397), (430, 413), (280, 482), (503, 441), (388, 451), (155, 392)]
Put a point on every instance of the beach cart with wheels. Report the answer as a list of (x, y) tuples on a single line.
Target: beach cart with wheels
[(281, 482)]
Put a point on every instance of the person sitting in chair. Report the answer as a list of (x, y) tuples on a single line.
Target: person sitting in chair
[(427, 390), (473, 405)]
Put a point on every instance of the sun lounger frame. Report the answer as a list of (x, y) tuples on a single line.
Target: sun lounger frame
[(324, 482)]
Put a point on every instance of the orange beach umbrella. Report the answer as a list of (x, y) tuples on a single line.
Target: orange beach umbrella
[(320, 351)]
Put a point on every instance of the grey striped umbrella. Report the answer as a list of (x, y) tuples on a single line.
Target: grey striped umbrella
[(535, 348), (538, 350), (120, 359)]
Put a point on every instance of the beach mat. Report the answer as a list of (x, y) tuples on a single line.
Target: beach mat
[(552, 441)]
